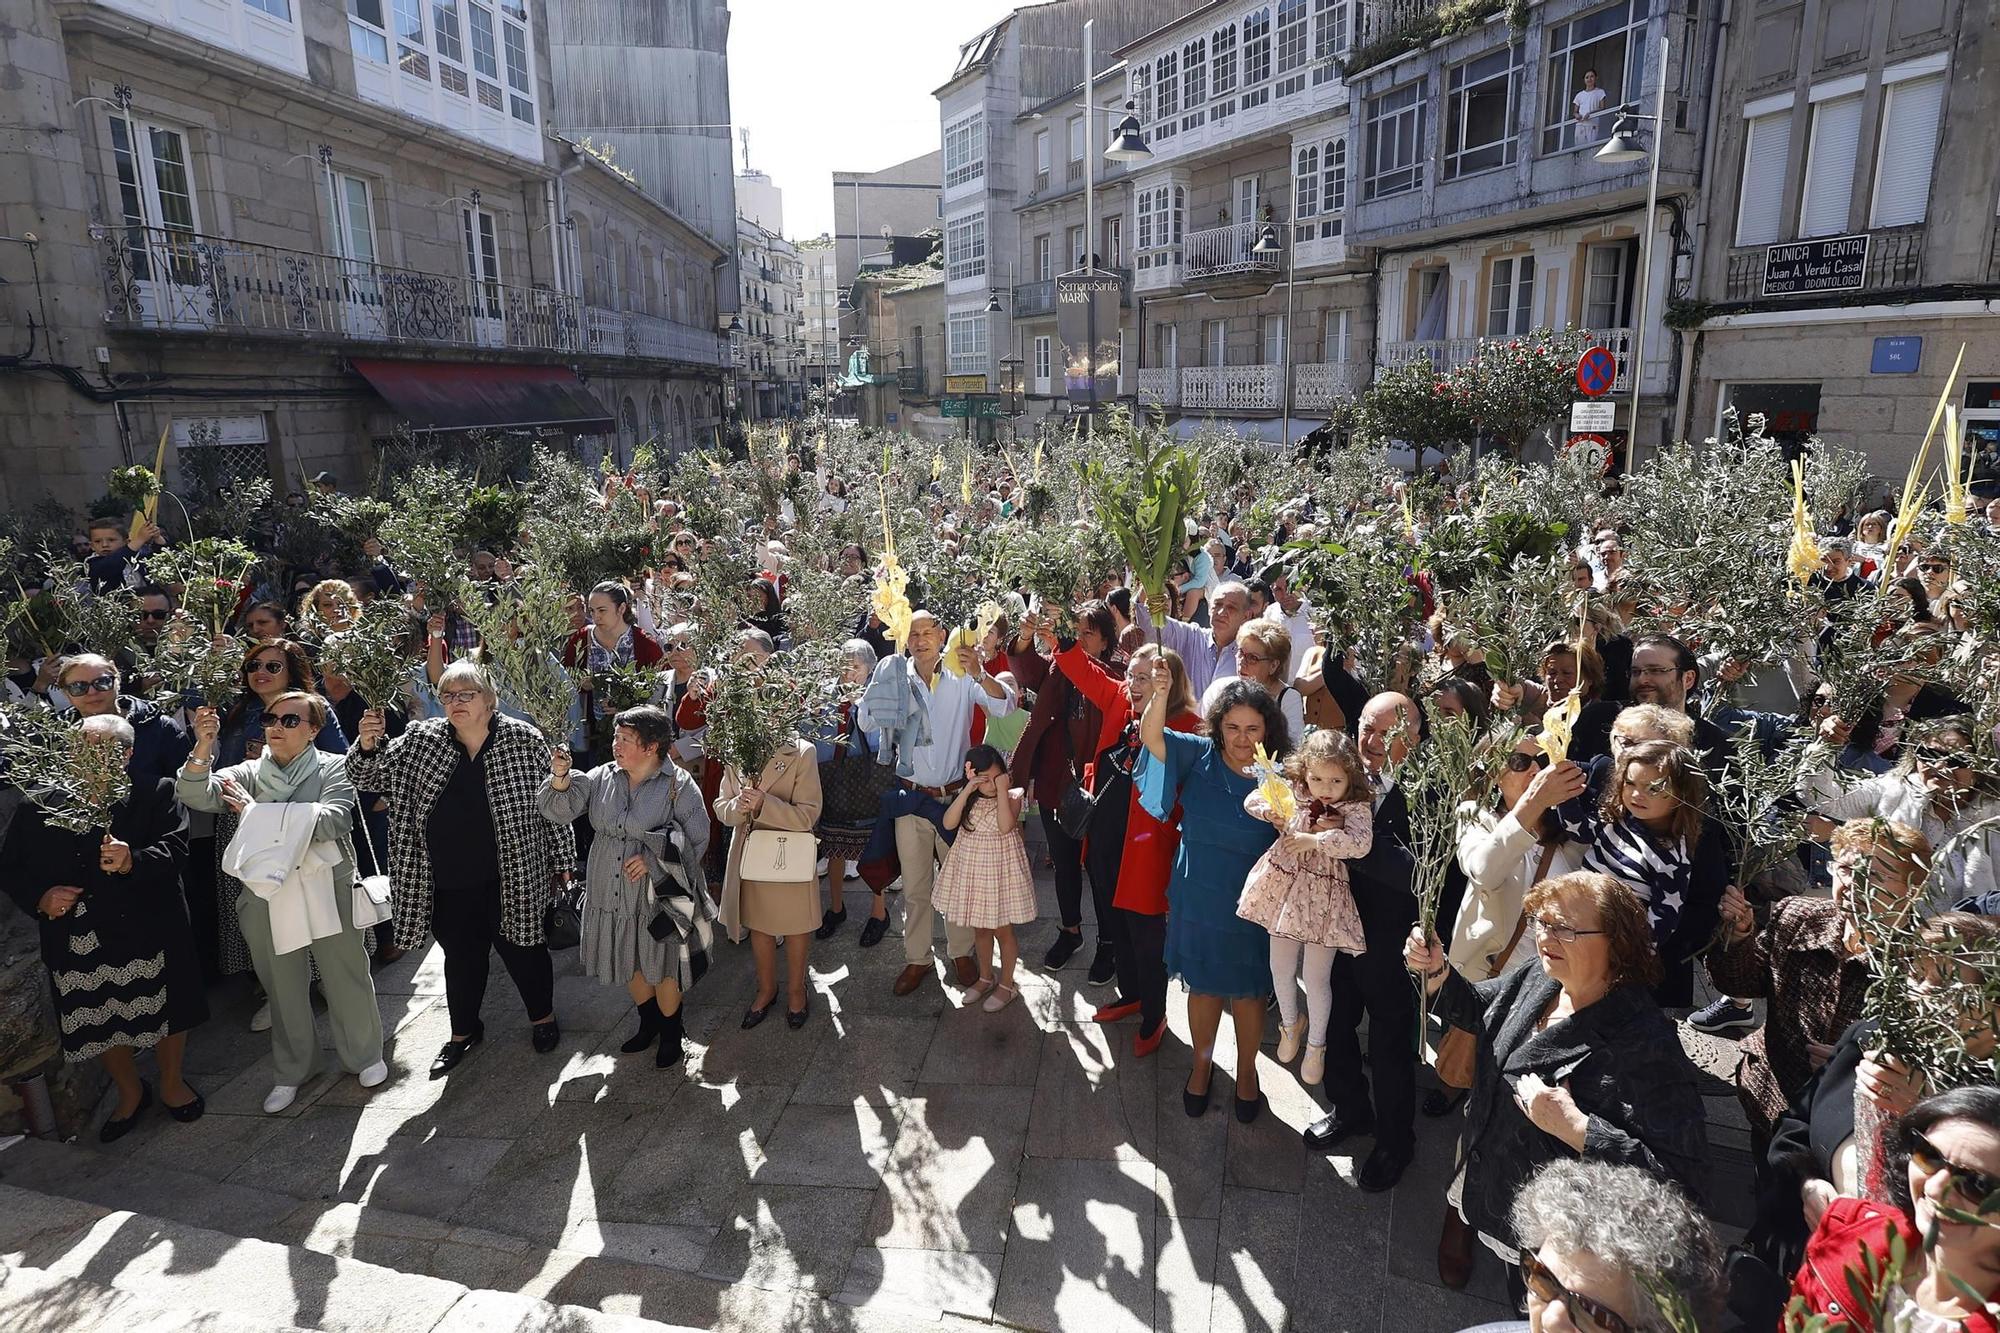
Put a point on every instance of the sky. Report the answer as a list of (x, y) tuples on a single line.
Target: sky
[(841, 85)]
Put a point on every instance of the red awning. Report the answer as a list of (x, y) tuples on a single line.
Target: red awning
[(433, 395)]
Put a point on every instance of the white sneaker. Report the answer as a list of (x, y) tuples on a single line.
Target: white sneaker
[(375, 1075), (853, 871), (1289, 1036), (820, 869), (261, 1020), (1313, 1068), (281, 1097)]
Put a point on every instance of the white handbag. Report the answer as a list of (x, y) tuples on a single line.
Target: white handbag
[(371, 892), (780, 856)]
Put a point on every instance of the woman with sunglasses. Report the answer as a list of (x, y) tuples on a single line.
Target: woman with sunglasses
[(115, 935), (1264, 657), (92, 685), (1574, 1058), (270, 670), (1944, 1206), (1943, 787), (291, 770)]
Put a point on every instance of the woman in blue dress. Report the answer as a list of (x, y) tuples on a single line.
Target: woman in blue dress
[(1220, 958)]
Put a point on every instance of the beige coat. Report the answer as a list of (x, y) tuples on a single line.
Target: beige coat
[(790, 783)]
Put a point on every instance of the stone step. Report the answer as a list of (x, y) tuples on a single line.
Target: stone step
[(516, 1282), (33, 1300)]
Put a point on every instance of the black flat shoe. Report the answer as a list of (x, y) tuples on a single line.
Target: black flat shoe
[(452, 1052), (830, 924), (1247, 1109), (189, 1112), (1383, 1169), (546, 1036), (115, 1130), (1440, 1102), (873, 930), (752, 1017), (1196, 1103), (796, 1018)]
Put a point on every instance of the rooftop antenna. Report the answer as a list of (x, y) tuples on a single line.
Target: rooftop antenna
[(744, 133)]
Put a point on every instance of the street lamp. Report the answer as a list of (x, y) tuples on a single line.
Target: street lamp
[(993, 301), (1623, 147), (1127, 143)]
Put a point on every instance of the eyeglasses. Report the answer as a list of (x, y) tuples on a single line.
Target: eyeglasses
[(1545, 1287), (1975, 1187), (1559, 930), (1653, 673), (458, 696), (1518, 762), (76, 689), (289, 721), (1938, 756), (1253, 658), (267, 668), (154, 615)]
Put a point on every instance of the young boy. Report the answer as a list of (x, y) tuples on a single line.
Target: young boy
[(111, 563)]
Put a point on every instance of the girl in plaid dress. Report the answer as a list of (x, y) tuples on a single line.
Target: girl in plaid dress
[(985, 882)]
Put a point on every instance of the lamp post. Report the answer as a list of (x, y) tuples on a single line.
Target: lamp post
[(1267, 244), (1623, 146)]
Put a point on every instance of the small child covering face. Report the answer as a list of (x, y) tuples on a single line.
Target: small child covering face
[(1298, 889), (986, 883)]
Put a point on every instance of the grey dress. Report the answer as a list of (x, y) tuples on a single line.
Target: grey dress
[(631, 822)]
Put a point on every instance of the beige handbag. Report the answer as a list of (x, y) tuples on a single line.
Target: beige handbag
[(780, 856)]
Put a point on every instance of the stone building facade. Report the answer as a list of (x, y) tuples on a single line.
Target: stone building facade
[(1850, 245), (286, 234)]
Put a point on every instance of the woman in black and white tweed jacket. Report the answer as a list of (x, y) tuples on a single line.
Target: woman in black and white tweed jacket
[(470, 856)]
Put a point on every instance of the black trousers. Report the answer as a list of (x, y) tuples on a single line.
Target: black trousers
[(1067, 853), (1141, 945), (1376, 984), (467, 925)]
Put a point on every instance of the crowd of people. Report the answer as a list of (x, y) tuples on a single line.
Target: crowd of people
[(1232, 780)]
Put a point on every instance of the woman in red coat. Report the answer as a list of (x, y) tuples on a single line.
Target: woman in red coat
[(1944, 1164), (1126, 846)]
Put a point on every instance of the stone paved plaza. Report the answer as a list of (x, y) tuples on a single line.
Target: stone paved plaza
[(896, 1164)]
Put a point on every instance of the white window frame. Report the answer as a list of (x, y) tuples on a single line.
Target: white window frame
[(966, 347), (1766, 195), (1246, 198), (1273, 335), (1194, 82), (1619, 277), (1394, 120), (1044, 353), (1075, 130), (1305, 191), (1292, 41), (1514, 277), (1222, 61), (1043, 264), (1073, 254), (1256, 57), (1924, 77), (1215, 342), (1833, 156), (1167, 94), (1334, 329), (1333, 187), (1474, 78), (1331, 35), (1562, 78), (965, 150), (369, 36), (1114, 240), (965, 246)]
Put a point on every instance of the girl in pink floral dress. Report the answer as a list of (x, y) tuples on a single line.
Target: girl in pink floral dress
[(1298, 889), (986, 883)]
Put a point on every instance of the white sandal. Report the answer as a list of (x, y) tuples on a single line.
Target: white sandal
[(1001, 997)]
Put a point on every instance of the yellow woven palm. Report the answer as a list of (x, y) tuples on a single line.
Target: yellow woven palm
[(1557, 723), (1805, 556), (1272, 786)]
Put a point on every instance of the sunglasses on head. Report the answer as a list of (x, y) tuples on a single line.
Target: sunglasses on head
[(1518, 762), (267, 668), (76, 689), (1974, 1187), (289, 721), (1588, 1314)]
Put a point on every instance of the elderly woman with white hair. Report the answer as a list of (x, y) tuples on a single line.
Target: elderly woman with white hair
[(1605, 1246), (470, 855), (115, 935), (852, 783), (291, 797)]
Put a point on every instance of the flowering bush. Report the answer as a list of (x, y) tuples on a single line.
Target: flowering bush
[(1510, 389)]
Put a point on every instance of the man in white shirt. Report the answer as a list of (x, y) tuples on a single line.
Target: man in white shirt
[(938, 771), (1585, 106), (1207, 652), (1289, 608)]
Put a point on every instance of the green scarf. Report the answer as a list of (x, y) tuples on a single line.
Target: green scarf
[(281, 782)]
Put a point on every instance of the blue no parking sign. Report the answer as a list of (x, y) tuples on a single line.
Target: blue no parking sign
[(1596, 369)]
